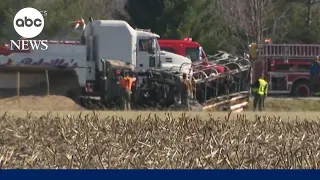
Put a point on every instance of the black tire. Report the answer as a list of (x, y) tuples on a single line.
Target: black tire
[(300, 89)]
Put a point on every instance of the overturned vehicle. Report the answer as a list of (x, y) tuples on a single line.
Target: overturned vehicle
[(223, 84)]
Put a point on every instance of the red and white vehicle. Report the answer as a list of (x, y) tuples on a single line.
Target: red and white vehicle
[(192, 50), (286, 66), (186, 48)]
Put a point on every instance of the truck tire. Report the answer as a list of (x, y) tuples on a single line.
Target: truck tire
[(300, 89)]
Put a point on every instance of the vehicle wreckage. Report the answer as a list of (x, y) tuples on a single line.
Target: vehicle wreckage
[(159, 89), (105, 50)]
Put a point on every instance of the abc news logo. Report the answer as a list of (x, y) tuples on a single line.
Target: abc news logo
[(29, 23)]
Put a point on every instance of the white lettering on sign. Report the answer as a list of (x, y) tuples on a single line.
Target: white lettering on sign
[(29, 45)]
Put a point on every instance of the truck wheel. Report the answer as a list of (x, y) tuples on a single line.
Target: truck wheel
[(300, 89)]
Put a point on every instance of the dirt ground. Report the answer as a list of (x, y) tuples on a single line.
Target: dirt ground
[(34, 98), (38, 103), (290, 104), (61, 103), (287, 109)]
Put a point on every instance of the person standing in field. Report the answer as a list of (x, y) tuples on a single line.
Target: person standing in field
[(126, 85), (260, 92), (186, 90), (265, 94)]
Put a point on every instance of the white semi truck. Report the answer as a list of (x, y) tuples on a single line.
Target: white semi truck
[(112, 39), (117, 40), (102, 39)]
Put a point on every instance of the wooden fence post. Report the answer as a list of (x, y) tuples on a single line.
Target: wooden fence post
[(18, 83), (48, 83)]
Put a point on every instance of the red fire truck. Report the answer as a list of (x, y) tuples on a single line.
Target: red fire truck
[(286, 66), (186, 47)]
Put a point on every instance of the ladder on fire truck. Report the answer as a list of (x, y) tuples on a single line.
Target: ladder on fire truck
[(283, 51)]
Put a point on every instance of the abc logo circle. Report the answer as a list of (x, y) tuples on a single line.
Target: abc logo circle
[(28, 22)]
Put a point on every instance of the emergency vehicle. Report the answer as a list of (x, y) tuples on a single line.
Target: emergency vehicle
[(286, 66)]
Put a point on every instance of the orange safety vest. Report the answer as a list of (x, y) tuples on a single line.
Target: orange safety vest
[(126, 82)]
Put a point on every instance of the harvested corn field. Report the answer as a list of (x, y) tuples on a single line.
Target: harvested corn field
[(162, 140)]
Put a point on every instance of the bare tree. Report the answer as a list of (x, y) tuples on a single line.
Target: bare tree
[(247, 17), (279, 24)]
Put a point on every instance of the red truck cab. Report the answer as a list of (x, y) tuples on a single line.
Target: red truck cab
[(191, 50), (186, 47)]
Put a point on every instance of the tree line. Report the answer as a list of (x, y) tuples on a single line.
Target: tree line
[(228, 25)]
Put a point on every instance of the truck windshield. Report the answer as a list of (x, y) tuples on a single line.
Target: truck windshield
[(193, 54), (148, 45), (145, 44)]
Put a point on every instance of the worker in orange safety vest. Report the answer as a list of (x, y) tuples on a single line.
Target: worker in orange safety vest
[(126, 85)]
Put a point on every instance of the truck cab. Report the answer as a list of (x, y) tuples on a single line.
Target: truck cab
[(193, 51), (186, 48), (113, 39)]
